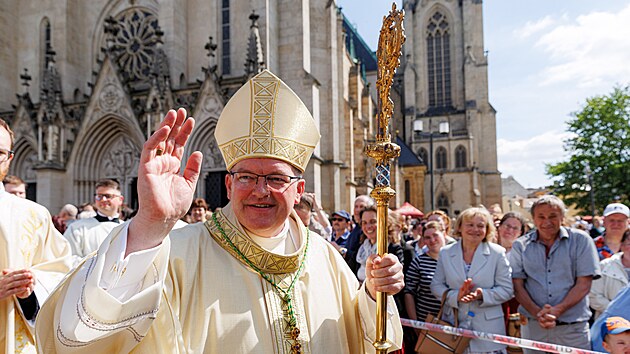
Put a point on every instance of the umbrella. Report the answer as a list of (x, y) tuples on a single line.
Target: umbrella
[(409, 210)]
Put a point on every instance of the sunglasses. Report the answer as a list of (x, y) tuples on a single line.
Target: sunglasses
[(338, 219)]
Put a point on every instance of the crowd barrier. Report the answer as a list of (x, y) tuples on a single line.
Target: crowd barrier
[(496, 338)]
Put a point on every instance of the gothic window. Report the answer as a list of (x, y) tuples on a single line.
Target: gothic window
[(45, 42), (442, 202), (460, 157), (424, 156), (407, 190), (439, 61), (135, 42), (225, 39), (440, 158)]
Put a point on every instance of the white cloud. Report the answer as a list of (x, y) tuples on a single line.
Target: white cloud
[(530, 28), (525, 159), (590, 51)]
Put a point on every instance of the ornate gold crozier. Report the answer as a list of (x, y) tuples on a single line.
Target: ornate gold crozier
[(390, 43)]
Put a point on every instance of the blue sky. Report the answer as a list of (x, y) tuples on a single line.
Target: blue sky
[(545, 58)]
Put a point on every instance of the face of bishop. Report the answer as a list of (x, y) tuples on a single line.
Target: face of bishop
[(261, 208)]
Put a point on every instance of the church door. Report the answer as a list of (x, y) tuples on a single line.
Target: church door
[(216, 194)]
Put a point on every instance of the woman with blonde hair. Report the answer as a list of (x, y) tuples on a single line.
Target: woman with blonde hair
[(475, 276)]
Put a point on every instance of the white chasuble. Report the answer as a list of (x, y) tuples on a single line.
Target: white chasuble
[(210, 290), (28, 240)]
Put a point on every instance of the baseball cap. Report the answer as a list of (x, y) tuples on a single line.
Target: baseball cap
[(344, 214), (615, 325), (616, 208)]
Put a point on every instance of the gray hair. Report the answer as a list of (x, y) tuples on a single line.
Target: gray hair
[(69, 209), (366, 199), (550, 200)]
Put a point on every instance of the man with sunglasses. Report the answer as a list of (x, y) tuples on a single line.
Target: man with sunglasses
[(86, 235), (252, 279), (341, 230), (33, 259)]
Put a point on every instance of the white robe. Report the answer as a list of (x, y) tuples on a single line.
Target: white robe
[(196, 297), (28, 240), (86, 235)]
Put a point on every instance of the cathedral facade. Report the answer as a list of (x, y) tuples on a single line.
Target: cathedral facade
[(444, 113), (85, 82)]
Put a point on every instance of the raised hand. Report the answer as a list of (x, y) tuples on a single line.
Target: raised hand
[(164, 195), (19, 282), (384, 275)]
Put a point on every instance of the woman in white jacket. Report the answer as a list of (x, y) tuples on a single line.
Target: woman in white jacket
[(476, 277), (615, 274)]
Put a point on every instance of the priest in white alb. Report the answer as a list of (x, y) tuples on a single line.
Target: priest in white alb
[(34, 257), (252, 279)]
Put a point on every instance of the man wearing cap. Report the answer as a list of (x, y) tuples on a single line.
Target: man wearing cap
[(341, 230), (619, 307), (615, 224), (250, 280), (616, 335)]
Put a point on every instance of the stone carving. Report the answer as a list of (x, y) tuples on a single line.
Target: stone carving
[(134, 42), (212, 156), (121, 160), (26, 167), (111, 98), (212, 106)]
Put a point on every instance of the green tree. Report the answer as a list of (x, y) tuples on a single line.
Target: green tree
[(600, 144)]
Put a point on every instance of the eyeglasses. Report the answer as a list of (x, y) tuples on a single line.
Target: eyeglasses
[(5, 154), (102, 196), (512, 228), (246, 180), (338, 219)]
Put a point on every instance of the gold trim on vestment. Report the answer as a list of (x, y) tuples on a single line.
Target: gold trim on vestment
[(282, 270), (268, 262)]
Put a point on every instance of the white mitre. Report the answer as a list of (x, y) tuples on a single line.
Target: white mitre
[(266, 119)]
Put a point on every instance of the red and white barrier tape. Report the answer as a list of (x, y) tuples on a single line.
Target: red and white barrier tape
[(496, 338)]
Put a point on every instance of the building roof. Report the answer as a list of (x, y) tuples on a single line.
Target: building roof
[(511, 188), (407, 157), (358, 49)]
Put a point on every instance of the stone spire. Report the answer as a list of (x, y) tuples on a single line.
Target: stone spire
[(255, 62), (50, 118)]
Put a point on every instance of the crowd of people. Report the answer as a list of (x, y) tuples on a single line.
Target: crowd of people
[(272, 272), (542, 279)]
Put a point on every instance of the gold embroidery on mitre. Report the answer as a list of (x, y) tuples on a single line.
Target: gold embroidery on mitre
[(278, 126)]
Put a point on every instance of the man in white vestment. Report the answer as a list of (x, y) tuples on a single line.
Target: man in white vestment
[(251, 279), (34, 257), (86, 235)]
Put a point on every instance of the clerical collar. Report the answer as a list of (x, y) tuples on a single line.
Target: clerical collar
[(283, 243), (102, 218), (227, 232)]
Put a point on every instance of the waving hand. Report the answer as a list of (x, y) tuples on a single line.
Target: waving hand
[(164, 194)]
